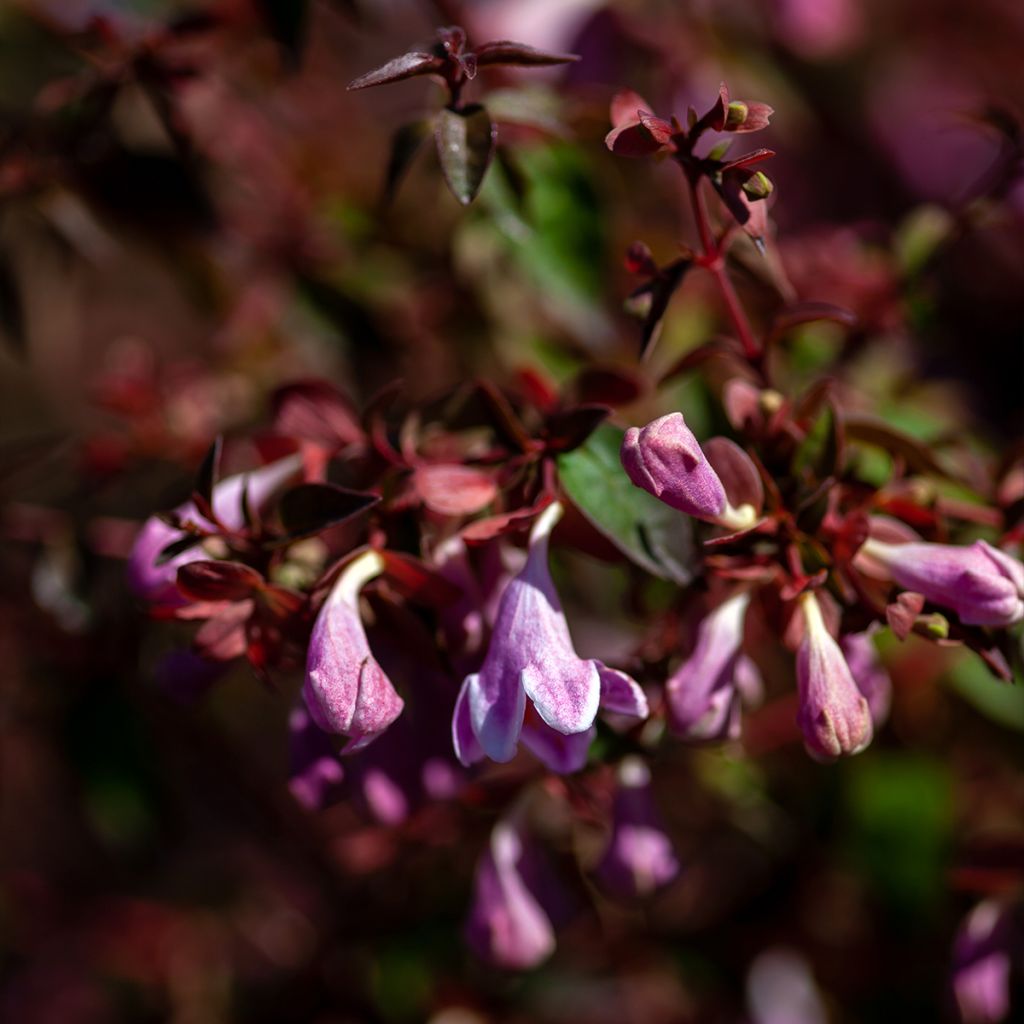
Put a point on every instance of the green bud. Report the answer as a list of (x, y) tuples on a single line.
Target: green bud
[(735, 115), (936, 626), (758, 185)]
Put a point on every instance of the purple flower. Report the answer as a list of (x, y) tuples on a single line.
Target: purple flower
[(639, 858), (869, 674), (346, 691), (314, 771), (703, 693), (781, 990), (507, 925), (983, 585), (834, 716), (981, 964), (158, 583), (531, 655), (665, 459)]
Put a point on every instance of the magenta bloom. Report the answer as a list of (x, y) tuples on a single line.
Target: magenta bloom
[(530, 655), (639, 858), (981, 964), (158, 583), (983, 585), (665, 459), (507, 925), (346, 691), (834, 716), (703, 694)]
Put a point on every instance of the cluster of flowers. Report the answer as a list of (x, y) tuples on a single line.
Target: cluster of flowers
[(789, 533)]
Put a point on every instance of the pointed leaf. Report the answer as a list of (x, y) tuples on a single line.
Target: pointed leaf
[(407, 66), (209, 474), (465, 145), (177, 547), (502, 51), (654, 536), (405, 144), (218, 581), (311, 508)]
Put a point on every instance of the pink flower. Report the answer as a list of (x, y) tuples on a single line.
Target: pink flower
[(158, 583), (345, 690), (639, 858), (834, 716), (981, 964), (531, 655), (507, 925), (983, 585), (665, 459), (703, 693)]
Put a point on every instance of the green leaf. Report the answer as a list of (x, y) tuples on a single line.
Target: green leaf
[(465, 145), (1003, 703), (652, 535)]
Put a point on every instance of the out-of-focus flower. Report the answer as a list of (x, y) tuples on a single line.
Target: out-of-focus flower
[(665, 459), (983, 585), (981, 964), (314, 772), (869, 674), (530, 655), (834, 715), (781, 990), (346, 691), (639, 858), (702, 694), (158, 583), (507, 925), (820, 29)]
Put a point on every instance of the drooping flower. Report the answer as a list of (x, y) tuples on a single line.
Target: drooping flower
[(507, 925), (981, 964), (157, 583), (639, 858), (345, 690), (834, 715), (665, 459), (703, 693), (530, 655), (869, 674), (983, 585)]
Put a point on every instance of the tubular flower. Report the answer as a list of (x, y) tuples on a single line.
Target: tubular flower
[(703, 694), (834, 715), (869, 674), (345, 690), (507, 925), (639, 858), (531, 655), (157, 583), (983, 585), (665, 459)]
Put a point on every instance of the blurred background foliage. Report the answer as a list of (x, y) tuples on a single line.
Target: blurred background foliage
[(191, 215)]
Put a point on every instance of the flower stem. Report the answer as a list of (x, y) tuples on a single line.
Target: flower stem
[(714, 262)]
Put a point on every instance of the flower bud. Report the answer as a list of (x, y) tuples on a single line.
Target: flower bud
[(983, 585), (834, 715), (665, 459), (758, 186), (735, 115), (639, 858), (346, 691)]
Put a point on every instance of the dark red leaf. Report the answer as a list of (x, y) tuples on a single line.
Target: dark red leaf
[(218, 581), (917, 455), (503, 417), (809, 312), (903, 612), (222, 638), (626, 106), (207, 477), (502, 51), (465, 146), (632, 139), (739, 475), (568, 430), (311, 508), (316, 411), (613, 386), (407, 66), (418, 581), (454, 490)]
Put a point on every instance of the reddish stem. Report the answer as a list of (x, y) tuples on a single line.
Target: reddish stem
[(714, 261)]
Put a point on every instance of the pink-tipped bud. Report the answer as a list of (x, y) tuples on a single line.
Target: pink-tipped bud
[(834, 716), (665, 459), (346, 691)]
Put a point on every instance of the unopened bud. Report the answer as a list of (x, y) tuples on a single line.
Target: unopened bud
[(735, 115), (936, 625), (758, 186)]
